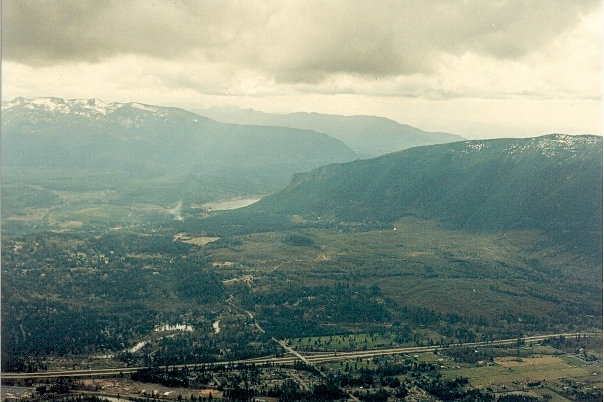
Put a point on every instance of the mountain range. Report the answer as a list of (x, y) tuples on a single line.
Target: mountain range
[(144, 140), (551, 183), (368, 136), (52, 131)]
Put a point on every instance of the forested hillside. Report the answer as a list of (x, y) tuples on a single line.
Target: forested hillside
[(551, 183)]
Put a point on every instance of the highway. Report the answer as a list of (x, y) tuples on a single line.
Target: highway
[(293, 356)]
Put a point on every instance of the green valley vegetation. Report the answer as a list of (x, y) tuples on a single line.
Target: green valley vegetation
[(450, 248)]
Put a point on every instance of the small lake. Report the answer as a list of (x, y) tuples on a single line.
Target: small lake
[(230, 203)]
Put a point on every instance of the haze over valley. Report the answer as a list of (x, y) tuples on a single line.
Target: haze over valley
[(301, 201)]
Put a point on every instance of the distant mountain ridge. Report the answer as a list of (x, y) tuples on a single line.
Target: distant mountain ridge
[(368, 136), (134, 137), (551, 183)]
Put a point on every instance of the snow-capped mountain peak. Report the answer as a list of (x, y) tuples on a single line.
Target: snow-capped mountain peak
[(87, 107), (83, 107)]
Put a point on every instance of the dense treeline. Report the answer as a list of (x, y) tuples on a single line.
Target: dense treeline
[(294, 311), (298, 240), (70, 293)]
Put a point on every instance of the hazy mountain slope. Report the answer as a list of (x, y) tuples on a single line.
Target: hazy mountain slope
[(366, 135), (131, 137), (551, 183)]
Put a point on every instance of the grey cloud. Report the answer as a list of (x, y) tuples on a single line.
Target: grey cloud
[(303, 41), (402, 38), (514, 28), (44, 32)]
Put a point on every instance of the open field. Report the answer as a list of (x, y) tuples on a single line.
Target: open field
[(558, 376), (197, 241), (496, 376), (344, 342)]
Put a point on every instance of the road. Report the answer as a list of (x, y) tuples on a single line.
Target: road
[(288, 349), (313, 359)]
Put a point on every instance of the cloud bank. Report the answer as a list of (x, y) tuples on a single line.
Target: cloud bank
[(303, 41), (402, 59)]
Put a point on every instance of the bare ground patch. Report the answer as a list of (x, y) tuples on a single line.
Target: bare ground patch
[(527, 361)]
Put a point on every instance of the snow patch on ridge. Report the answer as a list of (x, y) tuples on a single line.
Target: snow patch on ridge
[(473, 146), (140, 106), (552, 145)]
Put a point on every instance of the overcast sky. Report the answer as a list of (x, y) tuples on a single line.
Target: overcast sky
[(476, 68)]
